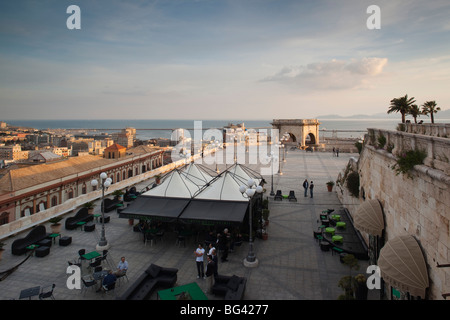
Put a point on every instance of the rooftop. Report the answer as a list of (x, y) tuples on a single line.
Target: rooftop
[(291, 263)]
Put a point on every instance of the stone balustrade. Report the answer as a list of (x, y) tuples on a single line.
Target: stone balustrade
[(398, 142)]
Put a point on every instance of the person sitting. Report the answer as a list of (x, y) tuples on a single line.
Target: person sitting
[(108, 281), (122, 267)]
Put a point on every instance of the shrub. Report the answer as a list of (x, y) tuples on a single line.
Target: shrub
[(407, 160), (353, 183), (359, 146), (381, 141)]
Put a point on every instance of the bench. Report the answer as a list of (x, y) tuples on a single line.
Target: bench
[(154, 276), (37, 234), (231, 287), (81, 216), (110, 204)]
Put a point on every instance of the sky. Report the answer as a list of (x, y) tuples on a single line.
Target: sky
[(220, 59)]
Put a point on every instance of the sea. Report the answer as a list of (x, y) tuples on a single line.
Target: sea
[(154, 129)]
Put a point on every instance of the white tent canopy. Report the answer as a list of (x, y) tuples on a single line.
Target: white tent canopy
[(174, 186), (223, 188), (195, 175)]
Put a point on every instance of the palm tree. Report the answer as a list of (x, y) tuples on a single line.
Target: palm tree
[(415, 112), (430, 107), (402, 105)]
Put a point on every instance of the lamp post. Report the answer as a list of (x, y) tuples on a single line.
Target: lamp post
[(105, 182), (284, 140), (280, 146), (217, 144), (249, 191), (270, 158)]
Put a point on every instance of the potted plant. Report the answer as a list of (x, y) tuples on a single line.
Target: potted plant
[(361, 289), (90, 206), (1, 249), (330, 185), (157, 179), (265, 214), (55, 225), (118, 194), (264, 234)]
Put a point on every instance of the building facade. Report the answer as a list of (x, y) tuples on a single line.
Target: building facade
[(28, 190)]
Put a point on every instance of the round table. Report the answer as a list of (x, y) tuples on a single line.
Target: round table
[(330, 230), (337, 238), (341, 224)]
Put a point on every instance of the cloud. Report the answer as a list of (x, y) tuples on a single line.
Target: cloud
[(331, 75)]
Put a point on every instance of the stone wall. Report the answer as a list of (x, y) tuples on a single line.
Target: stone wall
[(418, 205)]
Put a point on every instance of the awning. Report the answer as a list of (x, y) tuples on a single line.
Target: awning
[(403, 266), (162, 208), (369, 218), (214, 212)]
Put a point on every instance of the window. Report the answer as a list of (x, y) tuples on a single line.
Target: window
[(4, 218), (54, 201)]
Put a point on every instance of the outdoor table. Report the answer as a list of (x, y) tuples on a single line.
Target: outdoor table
[(30, 292), (91, 255), (336, 217), (337, 238), (100, 274), (32, 247), (54, 236), (341, 224), (330, 230), (81, 224), (194, 291)]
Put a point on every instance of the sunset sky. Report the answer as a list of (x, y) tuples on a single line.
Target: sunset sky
[(219, 59)]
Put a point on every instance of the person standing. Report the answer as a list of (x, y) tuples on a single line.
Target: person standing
[(210, 272), (216, 261), (199, 252), (305, 186), (311, 188), (225, 245)]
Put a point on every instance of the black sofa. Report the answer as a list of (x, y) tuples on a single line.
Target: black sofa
[(36, 235), (82, 215), (232, 287), (110, 204), (154, 276)]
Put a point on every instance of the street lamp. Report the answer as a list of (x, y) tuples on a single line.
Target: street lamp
[(216, 145), (105, 182), (249, 191), (280, 146), (270, 158), (284, 140)]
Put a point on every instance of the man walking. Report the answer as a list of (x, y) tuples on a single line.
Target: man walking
[(305, 186)]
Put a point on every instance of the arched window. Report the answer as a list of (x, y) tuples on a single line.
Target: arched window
[(4, 218), (54, 201)]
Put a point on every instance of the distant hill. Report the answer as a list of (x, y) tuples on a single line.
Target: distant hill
[(442, 114)]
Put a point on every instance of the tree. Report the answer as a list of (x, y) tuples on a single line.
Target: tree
[(415, 112), (430, 107), (402, 105)]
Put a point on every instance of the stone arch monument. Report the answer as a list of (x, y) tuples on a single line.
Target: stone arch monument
[(302, 132)]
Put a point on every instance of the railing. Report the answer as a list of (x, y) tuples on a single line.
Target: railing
[(69, 205), (441, 130), (398, 142)]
